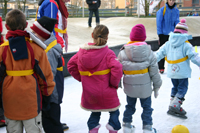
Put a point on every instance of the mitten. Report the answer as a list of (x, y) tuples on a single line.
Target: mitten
[(156, 92), (45, 103)]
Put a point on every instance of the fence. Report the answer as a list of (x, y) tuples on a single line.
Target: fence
[(78, 12)]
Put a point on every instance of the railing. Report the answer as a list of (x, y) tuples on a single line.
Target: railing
[(77, 12)]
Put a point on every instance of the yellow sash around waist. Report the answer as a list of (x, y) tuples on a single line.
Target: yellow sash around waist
[(176, 61), (132, 72), (60, 68), (20, 72), (87, 73)]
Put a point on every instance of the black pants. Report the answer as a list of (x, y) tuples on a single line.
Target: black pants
[(162, 39), (51, 119), (96, 13)]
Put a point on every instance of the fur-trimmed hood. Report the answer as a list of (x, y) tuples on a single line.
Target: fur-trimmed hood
[(90, 56)]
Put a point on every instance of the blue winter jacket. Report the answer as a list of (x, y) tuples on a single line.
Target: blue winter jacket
[(167, 23), (176, 48)]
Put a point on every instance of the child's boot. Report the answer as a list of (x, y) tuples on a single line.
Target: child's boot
[(111, 129), (128, 128), (175, 106), (149, 129), (95, 130)]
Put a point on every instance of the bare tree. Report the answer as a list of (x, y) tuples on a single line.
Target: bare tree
[(145, 4), (4, 7)]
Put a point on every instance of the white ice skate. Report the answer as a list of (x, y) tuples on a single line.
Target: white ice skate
[(128, 128)]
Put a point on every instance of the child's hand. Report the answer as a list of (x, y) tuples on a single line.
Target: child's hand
[(156, 92)]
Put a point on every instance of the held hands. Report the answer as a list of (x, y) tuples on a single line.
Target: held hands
[(156, 92), (94, 2)]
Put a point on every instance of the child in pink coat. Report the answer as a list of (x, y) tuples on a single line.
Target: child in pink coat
[(97, 67)]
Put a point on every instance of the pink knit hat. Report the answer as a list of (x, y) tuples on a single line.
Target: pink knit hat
[(138, 33), (181, 27)]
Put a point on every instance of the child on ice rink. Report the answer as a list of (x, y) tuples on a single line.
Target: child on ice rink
[(97, 67), (43, 29), (178, 52), (140, 71), (25, 75)]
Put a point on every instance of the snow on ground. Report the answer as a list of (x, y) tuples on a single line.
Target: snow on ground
[(76, 118)]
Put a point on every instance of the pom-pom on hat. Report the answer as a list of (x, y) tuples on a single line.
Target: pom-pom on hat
[(44, 26), (181, 27), (138, 33)]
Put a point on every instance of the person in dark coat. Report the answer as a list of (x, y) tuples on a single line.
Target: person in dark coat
[(93, 8)]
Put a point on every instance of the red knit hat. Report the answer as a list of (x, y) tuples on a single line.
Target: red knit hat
[(138, 33), (44, 26)]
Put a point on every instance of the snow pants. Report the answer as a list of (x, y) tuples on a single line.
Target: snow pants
[(33, 125)]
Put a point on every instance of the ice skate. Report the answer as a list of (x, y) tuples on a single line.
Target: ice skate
[(111, 129), (65, 127), (176, 114), (95, 130), (149, 129), (128, 128), (175, 106)]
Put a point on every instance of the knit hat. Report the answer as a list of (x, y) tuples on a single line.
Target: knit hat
[(181, 27), (44, 26), (138, 33)]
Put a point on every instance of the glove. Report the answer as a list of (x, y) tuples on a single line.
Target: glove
[(156, 92)]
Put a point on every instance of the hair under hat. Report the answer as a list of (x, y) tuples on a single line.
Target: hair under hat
[(138, 33), (181, 27), (44, 26)]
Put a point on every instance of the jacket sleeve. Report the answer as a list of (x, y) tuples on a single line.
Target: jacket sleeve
[(159, 20), (153, 72), (47, 86), (116, 69), (161, 53), (51, 10), (72, 67), (192, 55)]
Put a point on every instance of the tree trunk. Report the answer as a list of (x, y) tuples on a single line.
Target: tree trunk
[(146, 8)]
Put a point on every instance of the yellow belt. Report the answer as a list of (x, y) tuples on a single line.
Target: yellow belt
[(87, 73), (176, 61), (60, 31), (60, 68), (20, 73), (132, 72)]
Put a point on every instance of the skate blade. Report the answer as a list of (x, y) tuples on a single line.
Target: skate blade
[(176, 114)]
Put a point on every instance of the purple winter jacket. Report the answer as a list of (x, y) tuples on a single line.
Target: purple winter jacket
[(99, 91)]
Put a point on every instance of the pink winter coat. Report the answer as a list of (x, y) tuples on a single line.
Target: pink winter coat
[(99, 91)]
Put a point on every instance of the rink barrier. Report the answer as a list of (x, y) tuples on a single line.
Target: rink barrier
[(154, 46)]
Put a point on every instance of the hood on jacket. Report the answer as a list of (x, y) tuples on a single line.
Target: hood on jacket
[(91, 56), (177, 39), (137, 52), (51, 39)]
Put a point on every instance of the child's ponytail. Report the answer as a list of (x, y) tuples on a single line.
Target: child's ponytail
[(100, 34)]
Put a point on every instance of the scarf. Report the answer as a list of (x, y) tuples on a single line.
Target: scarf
[(171, 7), (18, 44)]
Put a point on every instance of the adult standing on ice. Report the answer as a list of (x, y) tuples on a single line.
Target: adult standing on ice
[(93, 8), (166, 19)]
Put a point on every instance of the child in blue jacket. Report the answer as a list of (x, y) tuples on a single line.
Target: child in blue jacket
[(178, 52)]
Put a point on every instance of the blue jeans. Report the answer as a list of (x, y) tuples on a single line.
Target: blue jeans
[(96, 13), (180, 87), (93, 121), (130, 110)]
